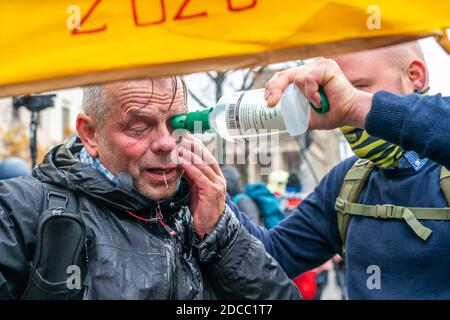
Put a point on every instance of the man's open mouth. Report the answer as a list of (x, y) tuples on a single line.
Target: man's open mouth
[(161, 170), (162, 175)]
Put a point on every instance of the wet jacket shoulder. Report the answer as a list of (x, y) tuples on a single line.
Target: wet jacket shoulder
[(20, 206), (240, 266)]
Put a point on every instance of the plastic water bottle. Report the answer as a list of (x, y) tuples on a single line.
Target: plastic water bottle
[(245, 114)]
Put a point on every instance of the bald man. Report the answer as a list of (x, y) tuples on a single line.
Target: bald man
[(386, 211), (412, 121)]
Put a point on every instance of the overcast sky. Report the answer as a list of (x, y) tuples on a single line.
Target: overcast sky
[(438, 65)]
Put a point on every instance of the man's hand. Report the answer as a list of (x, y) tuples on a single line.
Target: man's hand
[(348, 106), (207, 182)]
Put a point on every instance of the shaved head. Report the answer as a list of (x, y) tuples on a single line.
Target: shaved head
[(397, 55), (399, 69), (400, 55)]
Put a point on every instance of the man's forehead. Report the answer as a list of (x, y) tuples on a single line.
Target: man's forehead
[(360, 65), (140, 93), (158, 86), (353, 59)]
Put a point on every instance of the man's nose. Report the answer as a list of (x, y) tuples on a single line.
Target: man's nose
[(163, 142)]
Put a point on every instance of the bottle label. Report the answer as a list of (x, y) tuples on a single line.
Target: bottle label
[(248, 113)]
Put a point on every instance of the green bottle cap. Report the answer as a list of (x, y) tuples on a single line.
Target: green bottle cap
[(187, 121)]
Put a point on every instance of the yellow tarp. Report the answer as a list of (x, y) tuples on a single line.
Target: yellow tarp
[(62, 43)]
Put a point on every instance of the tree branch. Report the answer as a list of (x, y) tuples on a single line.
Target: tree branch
[(255, 77), (247, 74), (199, 101), (211, 76)]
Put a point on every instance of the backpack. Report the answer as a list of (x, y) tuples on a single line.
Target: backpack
[(61, 245), (346, 203)]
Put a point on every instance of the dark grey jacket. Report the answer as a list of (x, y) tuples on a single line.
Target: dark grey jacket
[(128, 258)]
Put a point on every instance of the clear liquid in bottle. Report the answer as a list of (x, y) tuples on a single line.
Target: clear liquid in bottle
[(245, 114)]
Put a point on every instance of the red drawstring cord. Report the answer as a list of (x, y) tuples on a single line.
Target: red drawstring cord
[(159, 217), (137, 217)]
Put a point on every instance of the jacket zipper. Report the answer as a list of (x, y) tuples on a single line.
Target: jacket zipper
[(169, 273), (160, 218), (86, 257), (170, 254)]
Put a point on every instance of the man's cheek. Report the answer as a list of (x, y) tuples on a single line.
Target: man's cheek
[(133, 154), (126, 141)]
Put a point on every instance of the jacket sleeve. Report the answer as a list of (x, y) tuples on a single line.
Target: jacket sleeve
[(309, 236), (238, 266), (20, 205), (414, 122)]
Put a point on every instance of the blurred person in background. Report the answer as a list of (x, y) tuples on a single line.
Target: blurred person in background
[(293, 194), (14, 167), (239, 197), (277, 182)]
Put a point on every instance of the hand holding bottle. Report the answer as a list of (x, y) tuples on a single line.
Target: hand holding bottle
[(247, 113), (348, 106)]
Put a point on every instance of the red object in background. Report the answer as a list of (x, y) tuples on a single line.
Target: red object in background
[(307, 284), (293, 203)]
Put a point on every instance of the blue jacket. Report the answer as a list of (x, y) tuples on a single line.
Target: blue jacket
[(410, 268)]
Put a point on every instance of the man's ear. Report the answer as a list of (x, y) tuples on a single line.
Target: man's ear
[(88, 133), (418, 75)]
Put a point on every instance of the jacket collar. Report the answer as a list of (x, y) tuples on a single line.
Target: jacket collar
[(61, 166)]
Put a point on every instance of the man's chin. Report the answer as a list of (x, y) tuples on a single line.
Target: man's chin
[(159, 193)]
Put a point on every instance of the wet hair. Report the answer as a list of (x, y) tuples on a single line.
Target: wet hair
[(96, 101)]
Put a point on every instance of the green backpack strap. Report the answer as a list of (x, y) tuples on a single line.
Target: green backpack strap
[(351, 188), (444, 180), (346, 205)]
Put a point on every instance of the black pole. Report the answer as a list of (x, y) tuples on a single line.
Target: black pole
[(34, 104), (33, 137)]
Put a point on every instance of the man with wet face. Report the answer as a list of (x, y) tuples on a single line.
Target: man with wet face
[(154, 209), (134, 137)]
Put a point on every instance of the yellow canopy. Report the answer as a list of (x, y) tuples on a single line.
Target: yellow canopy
[(46, 45)]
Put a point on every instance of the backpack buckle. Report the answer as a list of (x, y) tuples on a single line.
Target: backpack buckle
[(52, 196), (340, 204), (385, 211)]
